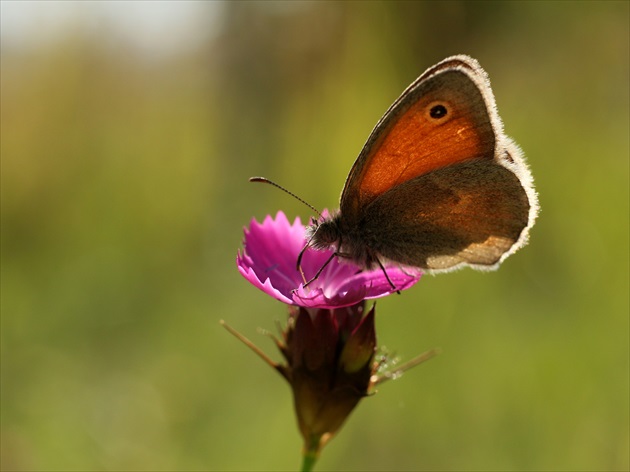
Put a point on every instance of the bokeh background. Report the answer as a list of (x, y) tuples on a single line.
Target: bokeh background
[(129, 130)]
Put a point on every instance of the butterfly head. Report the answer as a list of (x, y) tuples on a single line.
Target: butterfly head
[(324, 233)]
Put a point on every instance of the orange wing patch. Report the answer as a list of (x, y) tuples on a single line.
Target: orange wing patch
[(414, 143)]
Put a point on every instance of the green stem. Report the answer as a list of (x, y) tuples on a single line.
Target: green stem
[(311, 453), (308, 461)]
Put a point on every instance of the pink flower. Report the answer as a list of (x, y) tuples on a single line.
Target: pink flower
[(269, 263), (329, 343)]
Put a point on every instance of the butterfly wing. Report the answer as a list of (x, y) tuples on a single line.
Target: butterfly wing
[(408, 141), (470, 213), (438, 185)]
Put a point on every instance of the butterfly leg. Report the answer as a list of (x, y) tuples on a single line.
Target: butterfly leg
[(386, 275), (321, 269), (299, 261)]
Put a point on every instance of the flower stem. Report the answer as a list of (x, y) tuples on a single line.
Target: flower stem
[(311, 453), (308, 461)]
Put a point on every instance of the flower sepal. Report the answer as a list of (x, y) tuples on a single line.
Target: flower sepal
[(330, 357)]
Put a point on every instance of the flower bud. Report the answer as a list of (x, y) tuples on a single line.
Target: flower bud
[(330, 362)]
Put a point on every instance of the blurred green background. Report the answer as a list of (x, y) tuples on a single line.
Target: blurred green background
[(128, 133)]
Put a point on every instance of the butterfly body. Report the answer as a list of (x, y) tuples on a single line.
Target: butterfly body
[(437, 184)]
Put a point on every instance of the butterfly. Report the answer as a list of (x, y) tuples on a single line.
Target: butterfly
[(437, 185)]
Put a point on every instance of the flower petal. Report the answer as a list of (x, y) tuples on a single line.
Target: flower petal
[(269, 263)]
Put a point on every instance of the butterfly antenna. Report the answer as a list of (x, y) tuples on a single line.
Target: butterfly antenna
[(267, 181)]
